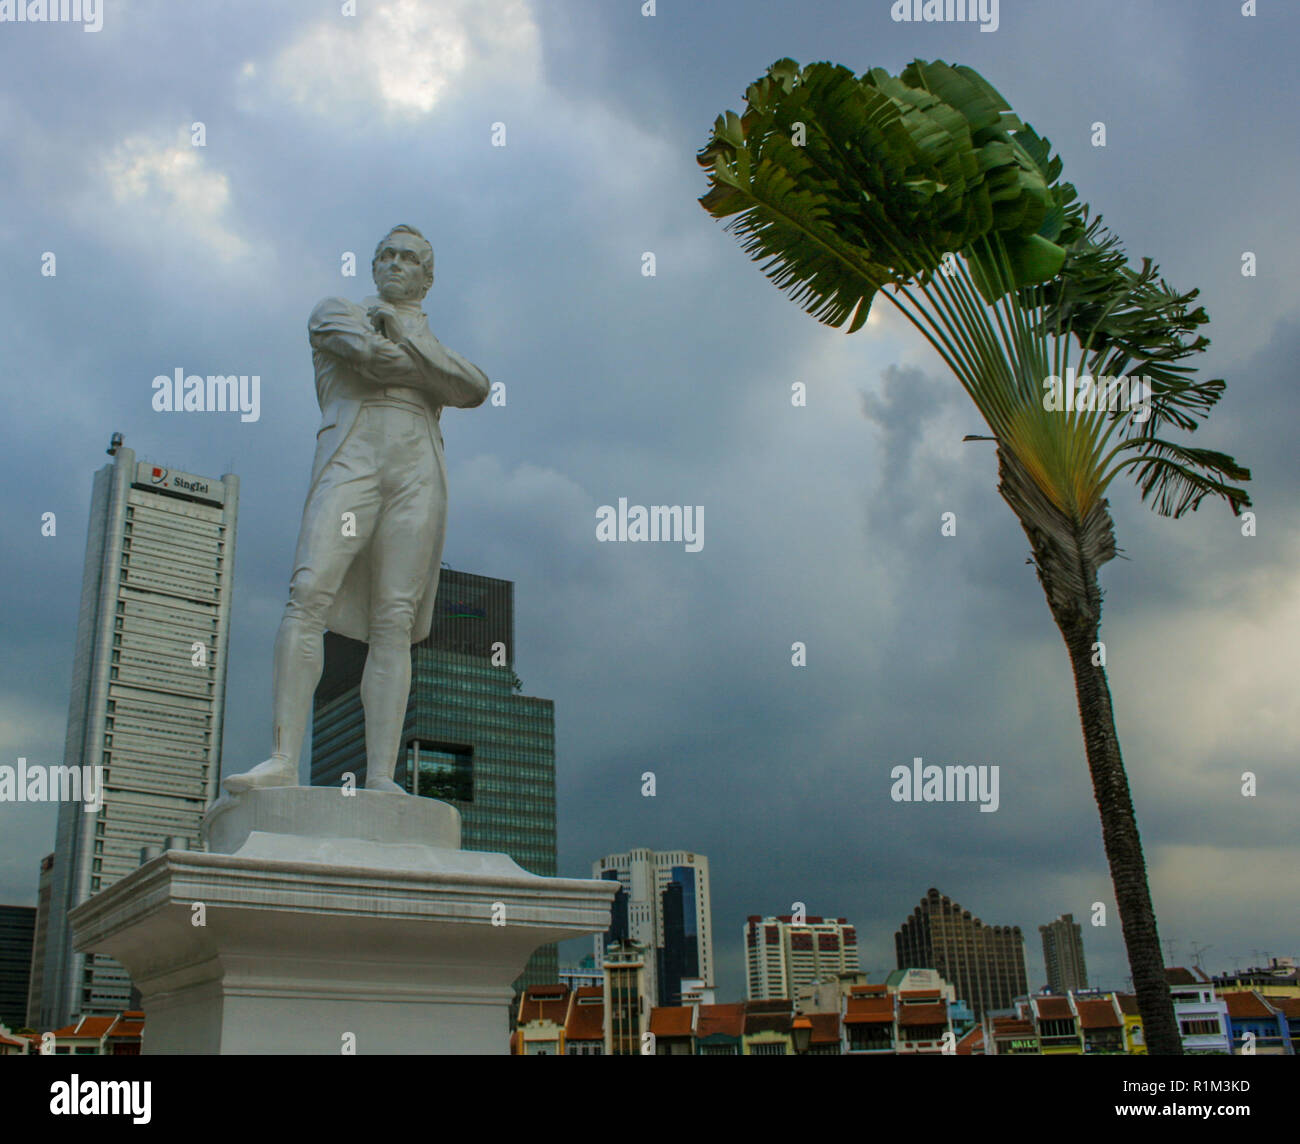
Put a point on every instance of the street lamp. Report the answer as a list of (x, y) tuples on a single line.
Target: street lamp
[(801, 1030)]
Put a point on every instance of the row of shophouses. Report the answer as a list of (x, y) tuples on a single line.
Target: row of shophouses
[(913, 1012), (120, 1035)]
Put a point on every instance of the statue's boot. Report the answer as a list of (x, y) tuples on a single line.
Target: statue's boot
[(381, 782), (277, 771)]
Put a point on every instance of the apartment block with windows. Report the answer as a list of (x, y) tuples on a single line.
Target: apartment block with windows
[(783, 954)]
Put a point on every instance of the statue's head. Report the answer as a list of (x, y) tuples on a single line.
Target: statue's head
[(403, 265)]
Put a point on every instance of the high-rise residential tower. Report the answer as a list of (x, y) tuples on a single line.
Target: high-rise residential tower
[(663, 904), (469, 739), (1063, 954), (785, 953), (148, 692), (985, 963)]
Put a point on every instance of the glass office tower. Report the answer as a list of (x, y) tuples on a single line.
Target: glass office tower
[(17, 931), (470, 738), (662, 904)]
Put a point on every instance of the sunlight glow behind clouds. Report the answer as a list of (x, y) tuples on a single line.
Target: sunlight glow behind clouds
[(173, 184), (404, 55)]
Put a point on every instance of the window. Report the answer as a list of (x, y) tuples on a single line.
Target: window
[(867, 1037), (445, 771)]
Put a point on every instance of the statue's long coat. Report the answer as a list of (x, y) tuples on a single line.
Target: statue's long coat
[(352, 364)]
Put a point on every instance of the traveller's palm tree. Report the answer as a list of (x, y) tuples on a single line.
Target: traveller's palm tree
[(925, 186)]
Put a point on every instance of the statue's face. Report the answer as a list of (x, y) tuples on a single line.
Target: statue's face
[(399, 270)]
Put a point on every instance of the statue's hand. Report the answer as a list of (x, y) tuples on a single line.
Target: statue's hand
[(385, 321)]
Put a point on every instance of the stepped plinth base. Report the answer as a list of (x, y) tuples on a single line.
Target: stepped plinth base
[(332, 923)]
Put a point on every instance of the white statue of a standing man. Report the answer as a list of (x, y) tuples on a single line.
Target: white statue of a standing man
[(370, 545)]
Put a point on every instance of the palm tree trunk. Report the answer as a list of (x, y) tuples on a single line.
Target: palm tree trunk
[(1128, 872), (1068, 554)]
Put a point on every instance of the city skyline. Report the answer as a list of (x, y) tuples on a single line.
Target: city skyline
[(476, 629), (822, 521)]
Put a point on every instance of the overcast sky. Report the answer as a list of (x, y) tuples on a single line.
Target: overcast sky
[(821, 524)]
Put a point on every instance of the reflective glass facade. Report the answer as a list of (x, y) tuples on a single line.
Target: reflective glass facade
[(470, 738), (679, 956), (17, 929)]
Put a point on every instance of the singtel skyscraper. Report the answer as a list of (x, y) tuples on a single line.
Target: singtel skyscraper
[(148, 692)]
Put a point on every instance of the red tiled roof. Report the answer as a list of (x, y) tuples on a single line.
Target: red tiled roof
[(586, 1022), (1179, 976), (544, 1003), (1053, 1008), (916, 994), (1012, 1027), (768, 1016), (1289, 1006), (720, 1020), (1097, 1013), (12, 1041), (1244, 1005), (868, 990), (972, 1042), (89, 1027), (671, 1020), (1128, 1002), (825, 1028), (869, 1011), (909, 1015)]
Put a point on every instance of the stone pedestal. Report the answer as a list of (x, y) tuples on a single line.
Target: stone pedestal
[(318, 923)]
